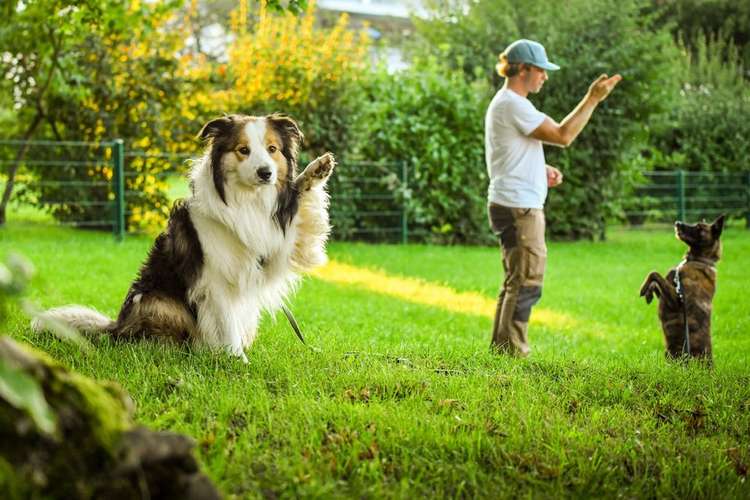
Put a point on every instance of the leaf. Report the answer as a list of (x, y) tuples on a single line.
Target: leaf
[(24, 393)]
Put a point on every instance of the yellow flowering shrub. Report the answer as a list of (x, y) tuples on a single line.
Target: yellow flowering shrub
[(285, 63), (130, 88)]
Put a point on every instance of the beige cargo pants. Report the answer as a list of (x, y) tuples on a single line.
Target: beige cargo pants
[(521, 234)]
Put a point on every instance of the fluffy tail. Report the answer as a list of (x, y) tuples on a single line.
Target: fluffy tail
[(82, 319)]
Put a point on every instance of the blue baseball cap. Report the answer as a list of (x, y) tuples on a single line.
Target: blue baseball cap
[(529, 52)]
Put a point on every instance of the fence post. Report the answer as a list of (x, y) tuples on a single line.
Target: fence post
[(118, 187), (747, 200), (681, 195), (404, 188)]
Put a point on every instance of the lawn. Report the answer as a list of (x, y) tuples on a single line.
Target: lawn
[(403, 398)]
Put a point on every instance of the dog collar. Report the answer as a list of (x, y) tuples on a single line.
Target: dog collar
[(698, 260)]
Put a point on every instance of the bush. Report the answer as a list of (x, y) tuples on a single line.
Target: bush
[(710, 129), (287, 64), (431, 118), (117, 77)]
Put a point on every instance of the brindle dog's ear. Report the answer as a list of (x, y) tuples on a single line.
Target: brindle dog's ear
[(717, 226), (215, 128), (289, 132)]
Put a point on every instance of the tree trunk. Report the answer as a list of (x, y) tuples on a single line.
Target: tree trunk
[(16, 163), (95, 450)]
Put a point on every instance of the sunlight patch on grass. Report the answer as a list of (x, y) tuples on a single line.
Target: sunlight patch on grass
[(422, 292)]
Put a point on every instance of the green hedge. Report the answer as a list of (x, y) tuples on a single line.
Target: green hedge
[(431, 119)]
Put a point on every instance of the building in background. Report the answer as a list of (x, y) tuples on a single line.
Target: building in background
[(388, 22)]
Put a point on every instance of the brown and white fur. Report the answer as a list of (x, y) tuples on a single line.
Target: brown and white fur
[(232, 250)]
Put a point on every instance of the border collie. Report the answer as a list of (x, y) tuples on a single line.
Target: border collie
[(233, 249)]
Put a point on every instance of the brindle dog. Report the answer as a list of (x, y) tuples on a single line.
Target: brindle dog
[(687, 292)]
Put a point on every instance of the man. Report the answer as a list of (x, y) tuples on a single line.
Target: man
[(519, 178)]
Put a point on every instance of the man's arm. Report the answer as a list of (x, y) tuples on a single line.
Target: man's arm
[(563, 134)]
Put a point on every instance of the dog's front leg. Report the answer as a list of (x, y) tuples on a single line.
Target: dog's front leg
[(312, 225), (656, 284), (219, 331), (315, 173), (648, 287)]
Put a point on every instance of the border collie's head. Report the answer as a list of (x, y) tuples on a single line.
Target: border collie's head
[(251, 151)]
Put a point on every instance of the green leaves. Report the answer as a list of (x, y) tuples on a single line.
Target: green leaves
[(16, 387), (431, 117), (24, 393), (294, 6)]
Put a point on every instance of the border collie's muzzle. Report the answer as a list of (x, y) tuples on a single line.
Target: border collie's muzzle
[(264, 174)]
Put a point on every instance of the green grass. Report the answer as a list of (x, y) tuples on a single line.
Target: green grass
[(595, 411)]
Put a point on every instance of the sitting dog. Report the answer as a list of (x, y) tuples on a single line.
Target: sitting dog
[(687, 292), (234, 248)]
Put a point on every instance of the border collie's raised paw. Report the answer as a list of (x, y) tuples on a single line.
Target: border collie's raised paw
[(317, 172)]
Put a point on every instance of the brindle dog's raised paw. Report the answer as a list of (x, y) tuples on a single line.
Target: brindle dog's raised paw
[(648, 293), (645, 289)]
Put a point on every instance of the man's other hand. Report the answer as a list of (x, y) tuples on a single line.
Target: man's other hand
[(554, 176)]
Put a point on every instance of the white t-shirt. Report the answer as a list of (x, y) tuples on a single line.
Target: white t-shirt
[(515, 161)]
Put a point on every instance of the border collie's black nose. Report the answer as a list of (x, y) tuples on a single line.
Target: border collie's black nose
[(264, 173)]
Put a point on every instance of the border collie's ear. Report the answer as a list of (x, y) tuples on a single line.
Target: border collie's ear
[(289, 132), (718, 226), (216, 127)]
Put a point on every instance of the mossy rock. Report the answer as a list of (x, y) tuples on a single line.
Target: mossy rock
[(95, 450)]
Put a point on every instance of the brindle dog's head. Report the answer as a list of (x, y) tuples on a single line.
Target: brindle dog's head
[(702, 238)]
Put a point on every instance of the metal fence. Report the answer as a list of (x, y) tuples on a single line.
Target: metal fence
[(51, 175), (369, 201), (666, 196), (104, 185), (100, 185)]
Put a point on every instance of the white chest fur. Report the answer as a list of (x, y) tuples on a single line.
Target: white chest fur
[(246, 265)]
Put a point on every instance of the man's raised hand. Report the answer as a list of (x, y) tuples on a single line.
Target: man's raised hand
[(602, 86)]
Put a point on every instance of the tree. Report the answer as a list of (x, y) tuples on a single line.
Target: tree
[(97, 70), (93, 71), (34, 64)]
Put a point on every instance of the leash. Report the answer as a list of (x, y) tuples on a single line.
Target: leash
[(399, 360), (681, 296), (293, 324)]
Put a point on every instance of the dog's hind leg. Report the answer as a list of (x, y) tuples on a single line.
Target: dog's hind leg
[(154, 316)]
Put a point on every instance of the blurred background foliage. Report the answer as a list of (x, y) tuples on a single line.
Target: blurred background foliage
[(95, 70)]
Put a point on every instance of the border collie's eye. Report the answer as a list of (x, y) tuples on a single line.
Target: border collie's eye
[(244, 150), (272, 149)]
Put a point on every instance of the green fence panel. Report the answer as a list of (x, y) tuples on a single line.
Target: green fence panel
[(118, 188)]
